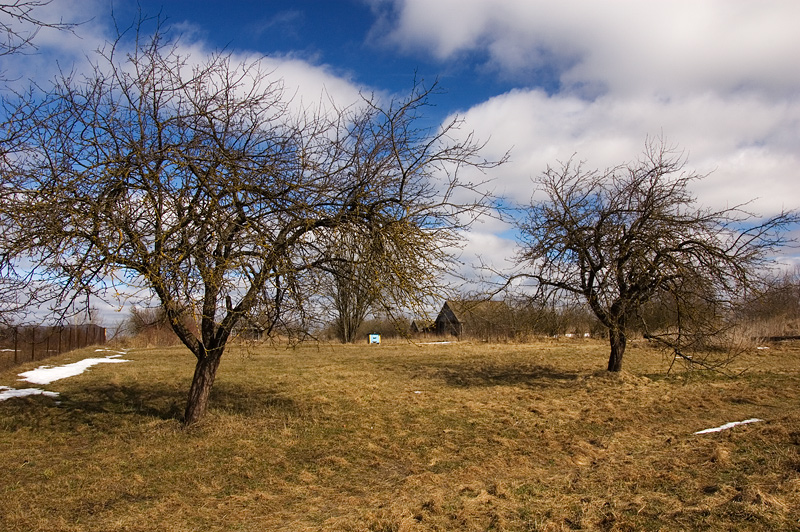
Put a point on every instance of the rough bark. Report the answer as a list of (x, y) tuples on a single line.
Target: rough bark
[(204, 373), (618, 342)]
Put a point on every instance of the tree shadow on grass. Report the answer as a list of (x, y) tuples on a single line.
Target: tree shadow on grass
[(164, 401), (156, 400), (529, 375), (250, 400), (101, 407)]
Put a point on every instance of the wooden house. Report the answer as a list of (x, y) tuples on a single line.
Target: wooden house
[(477, 319)]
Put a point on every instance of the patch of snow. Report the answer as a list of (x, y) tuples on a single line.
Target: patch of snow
[(762, 347), (435, 343), (727, 426), (8, 393), (48, 374)]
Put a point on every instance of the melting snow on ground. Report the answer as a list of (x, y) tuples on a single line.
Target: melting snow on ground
[(727, 426), (48, 374), (8, 393)]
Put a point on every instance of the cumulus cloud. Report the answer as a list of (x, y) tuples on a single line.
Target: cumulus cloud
[(623, 46), (744, 142), (718, 78), (308, 84), (305, 82), (54, 50)]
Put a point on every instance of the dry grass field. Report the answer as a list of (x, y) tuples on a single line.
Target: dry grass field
[(402, 437)]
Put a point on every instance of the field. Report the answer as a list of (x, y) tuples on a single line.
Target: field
[(402, 437)]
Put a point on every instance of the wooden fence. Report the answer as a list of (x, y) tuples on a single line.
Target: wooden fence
[(26, 344)]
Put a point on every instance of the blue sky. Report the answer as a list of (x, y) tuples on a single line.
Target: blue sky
[(549, 78), (349, 37), (544, 78)]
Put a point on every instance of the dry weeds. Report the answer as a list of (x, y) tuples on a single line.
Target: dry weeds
[(400, 437)]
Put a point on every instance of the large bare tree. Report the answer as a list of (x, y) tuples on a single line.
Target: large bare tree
[(196, 181), (634, 235)]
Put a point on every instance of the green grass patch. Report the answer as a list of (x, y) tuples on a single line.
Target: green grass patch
[(404, 437)]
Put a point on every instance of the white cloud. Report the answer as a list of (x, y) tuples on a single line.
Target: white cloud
[(625, 46), (57, 51), (744, 142), (309, 85), (719, 78)]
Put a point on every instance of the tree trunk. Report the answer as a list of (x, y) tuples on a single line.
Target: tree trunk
[(618, 342), (199, 392)]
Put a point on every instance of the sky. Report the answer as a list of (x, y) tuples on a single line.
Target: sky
[(546, 79)]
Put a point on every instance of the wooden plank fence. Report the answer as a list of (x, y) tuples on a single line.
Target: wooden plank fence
[(30, 343)]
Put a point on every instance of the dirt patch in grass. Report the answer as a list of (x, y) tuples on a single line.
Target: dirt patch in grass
[(400, 437)]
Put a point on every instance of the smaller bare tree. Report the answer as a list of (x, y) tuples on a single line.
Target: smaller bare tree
[(633, 235), (349, 285), (773, 311)]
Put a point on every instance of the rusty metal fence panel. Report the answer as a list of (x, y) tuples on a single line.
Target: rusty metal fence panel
[(26, 344)]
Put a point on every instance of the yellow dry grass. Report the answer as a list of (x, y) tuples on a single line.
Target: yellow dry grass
[(402, 437)]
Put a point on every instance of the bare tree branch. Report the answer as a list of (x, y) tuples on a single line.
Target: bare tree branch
[(20, 23)]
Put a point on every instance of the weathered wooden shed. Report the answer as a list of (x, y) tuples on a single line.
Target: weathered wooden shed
[(480, 319)]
